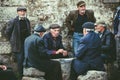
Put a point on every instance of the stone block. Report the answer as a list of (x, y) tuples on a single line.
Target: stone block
[(32, 72), (93, 75), (30, 78)]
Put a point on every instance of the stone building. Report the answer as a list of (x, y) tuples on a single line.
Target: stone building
[(46, 12)]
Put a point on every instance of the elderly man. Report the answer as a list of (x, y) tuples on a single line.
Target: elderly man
[(108, 47), (76, 19), (53, 42), (17, 30), (36, 55), (88, 53)]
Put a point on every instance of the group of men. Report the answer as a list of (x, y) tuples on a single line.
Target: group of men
[(36, 50)]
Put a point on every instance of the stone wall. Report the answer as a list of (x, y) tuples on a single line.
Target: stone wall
[(47, 12)]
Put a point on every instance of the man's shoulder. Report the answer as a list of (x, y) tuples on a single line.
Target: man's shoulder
[(89, 11), (73, 11)]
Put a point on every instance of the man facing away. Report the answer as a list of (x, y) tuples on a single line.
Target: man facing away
[(53, 42), (17, 30), (88, 53), (76, 19), (36, 55)]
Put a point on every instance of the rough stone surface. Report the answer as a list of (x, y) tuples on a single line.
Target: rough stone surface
[(93, 75), (31, 78), (32, 72)]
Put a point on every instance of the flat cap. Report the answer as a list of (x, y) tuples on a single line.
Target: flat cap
[(101, 22), (88, 25), (39, 28), (21, 8), (54, 26)]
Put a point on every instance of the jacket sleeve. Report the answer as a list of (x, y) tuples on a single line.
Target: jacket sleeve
[(9, 29), (42, 50), (81, 49), (46, 46), (107, 44)]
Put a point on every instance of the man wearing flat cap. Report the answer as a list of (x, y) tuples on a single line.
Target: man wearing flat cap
[(36, 55), (108, 47), (74, 22), (88, 53), (16, 31), (53, 42)]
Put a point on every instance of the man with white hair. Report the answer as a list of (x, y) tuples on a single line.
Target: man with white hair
[(88, 53)]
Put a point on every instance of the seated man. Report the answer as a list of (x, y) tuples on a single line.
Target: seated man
[(6, 74), (53, 42), (36, 55), (88, 53), (108, 47)]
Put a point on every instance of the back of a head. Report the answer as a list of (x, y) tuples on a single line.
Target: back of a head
[(39, 28), (88, 25)]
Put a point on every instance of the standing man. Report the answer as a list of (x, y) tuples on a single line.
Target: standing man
[(76, 19), (37, 56), (88, 53), (53, 42), (17, 30)]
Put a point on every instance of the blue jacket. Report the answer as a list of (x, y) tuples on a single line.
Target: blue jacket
[(34, 51), (89, 51)]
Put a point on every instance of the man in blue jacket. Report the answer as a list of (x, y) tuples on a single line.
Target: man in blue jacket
[(36, 55), (88, 53)]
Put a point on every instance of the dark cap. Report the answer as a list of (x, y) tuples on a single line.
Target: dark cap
[(81, 3), (39, 28), (54, 26), (88, 25), (21, 8)]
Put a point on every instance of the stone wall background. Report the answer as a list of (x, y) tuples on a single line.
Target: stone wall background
[(47, 12)]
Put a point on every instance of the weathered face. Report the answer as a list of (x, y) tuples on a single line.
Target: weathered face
[(55, 32), (21, 13), (82, 9), (99, 27)]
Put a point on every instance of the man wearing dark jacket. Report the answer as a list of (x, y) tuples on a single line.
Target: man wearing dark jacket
[(53, 42), (76, 19), (88, 53), (108, 46), (36, 55), (17, 30)]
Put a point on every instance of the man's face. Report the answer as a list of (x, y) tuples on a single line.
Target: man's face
[(55, 32), (99, 28), (21, 13), (82, 9)]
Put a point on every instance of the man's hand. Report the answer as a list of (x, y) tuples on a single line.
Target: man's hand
[(3, 67), (59, 51), (65, 53)]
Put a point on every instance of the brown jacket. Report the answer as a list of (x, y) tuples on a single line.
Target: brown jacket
[(71, 18)]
